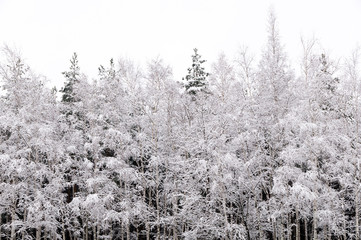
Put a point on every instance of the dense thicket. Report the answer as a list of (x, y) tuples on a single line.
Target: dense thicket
[(245, 152)]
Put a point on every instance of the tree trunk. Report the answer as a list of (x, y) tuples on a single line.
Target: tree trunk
[(38, 233), (13, 235), (289, 229), (122, 230), (157, 202), (225, 213), (111, 232), (154, 139), (259, 224), (144, 190), (148, 230), (183, 228), (231, 220), (314, 221), (174, 206), (274, 224), (95, 232), (23, 232), (281, 229), (86, 229), (356, 217), (164, 232), (128, 231), (344, 229), (63, 228), (298, 231), (175, 235), (306, 230)]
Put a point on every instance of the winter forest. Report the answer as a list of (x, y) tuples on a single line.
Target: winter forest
[(243, 150)]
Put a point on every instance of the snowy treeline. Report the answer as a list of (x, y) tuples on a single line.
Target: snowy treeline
[(253, 152)]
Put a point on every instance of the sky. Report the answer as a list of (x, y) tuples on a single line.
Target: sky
[(48, 32)]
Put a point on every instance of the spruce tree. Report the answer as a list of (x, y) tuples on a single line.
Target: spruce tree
[(72, 76), (196, 79)]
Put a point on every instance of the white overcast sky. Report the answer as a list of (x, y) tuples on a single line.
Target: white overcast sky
[(48, 32)]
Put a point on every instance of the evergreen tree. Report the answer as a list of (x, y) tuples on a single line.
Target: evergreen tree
[(327, 85), (72, 76), (196, 79)]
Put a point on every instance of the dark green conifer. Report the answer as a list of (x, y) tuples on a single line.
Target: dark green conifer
[(72, 77), (196, 79)]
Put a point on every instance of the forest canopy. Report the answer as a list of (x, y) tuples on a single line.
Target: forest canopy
[(242, 150)]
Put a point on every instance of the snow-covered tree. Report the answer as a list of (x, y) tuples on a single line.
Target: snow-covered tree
[(266, 155), (72, 77), (196, 79)]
